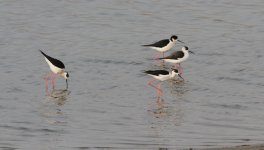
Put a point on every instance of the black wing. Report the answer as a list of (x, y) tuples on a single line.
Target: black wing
[(159, 44), (175, 55), (54, 61), (156, 72)]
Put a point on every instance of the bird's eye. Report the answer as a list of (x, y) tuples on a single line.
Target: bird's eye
[(67, 75)]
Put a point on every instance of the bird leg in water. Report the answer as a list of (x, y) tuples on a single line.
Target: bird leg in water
[(176, 66), (158, 56), (46, 85), (47, 78), (53, 78), (158, 88), (159, 92), (50, 76), (180, 69)]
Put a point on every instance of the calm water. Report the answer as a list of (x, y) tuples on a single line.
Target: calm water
[(109, 105)]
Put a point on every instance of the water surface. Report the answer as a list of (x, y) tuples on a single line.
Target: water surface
[(109, 104)]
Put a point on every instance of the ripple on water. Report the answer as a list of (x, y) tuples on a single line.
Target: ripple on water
[(7, 147), (227, 78), (15, 90), (229, 106), (30, 130), (108, 61)]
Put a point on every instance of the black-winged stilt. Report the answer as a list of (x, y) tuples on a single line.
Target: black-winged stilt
[(161, 75), (178, 57), (163, 45), (57, 68)]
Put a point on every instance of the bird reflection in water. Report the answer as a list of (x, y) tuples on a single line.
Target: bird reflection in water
[(178, 87), (160, 110), (59, 96), (170, 111), (53, 107)]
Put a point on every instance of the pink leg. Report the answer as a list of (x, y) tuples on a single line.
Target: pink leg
[(162, 57), (176, 66), (180, 69), (50, 76), (159, 91), (46, 85), (157, 56), (53, 81), (47, 78)]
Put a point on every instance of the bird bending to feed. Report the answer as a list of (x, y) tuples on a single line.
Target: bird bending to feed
[(57, 68), (164, 45), (178, 57), (161, 75)]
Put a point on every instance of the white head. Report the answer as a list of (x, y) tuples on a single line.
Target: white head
[(186, 49), (175, 72), (66, 76), (174, 38)]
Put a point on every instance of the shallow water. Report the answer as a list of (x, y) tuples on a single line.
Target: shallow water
[(109, 104)]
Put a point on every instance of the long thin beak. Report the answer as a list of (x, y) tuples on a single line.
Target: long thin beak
[(192, 52), (180, 41), (180, 76), (66, 84)]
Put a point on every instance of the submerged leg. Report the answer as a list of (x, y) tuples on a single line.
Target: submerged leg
[(159, 91), (163, 57), (47, 77), (46, 84), (53, 81), (180, 69), (50, 76), (176, 66), (159, 55)]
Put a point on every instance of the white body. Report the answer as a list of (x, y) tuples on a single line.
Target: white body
[(53, 68), (166, 48), (164, 77)]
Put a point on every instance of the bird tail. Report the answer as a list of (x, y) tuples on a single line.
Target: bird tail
[(146, 45), (155, 58), (42, 53), (146, 71)]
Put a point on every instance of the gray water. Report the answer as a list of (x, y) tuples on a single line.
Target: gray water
[(109, 104)]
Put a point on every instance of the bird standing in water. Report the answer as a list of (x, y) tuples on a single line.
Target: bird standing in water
[(164, 45), (57, 68), (161, 75), (178, 57)]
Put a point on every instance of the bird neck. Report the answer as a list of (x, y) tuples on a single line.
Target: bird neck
[(61, 73), (172, 74), (173, 41), (185, 52)]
